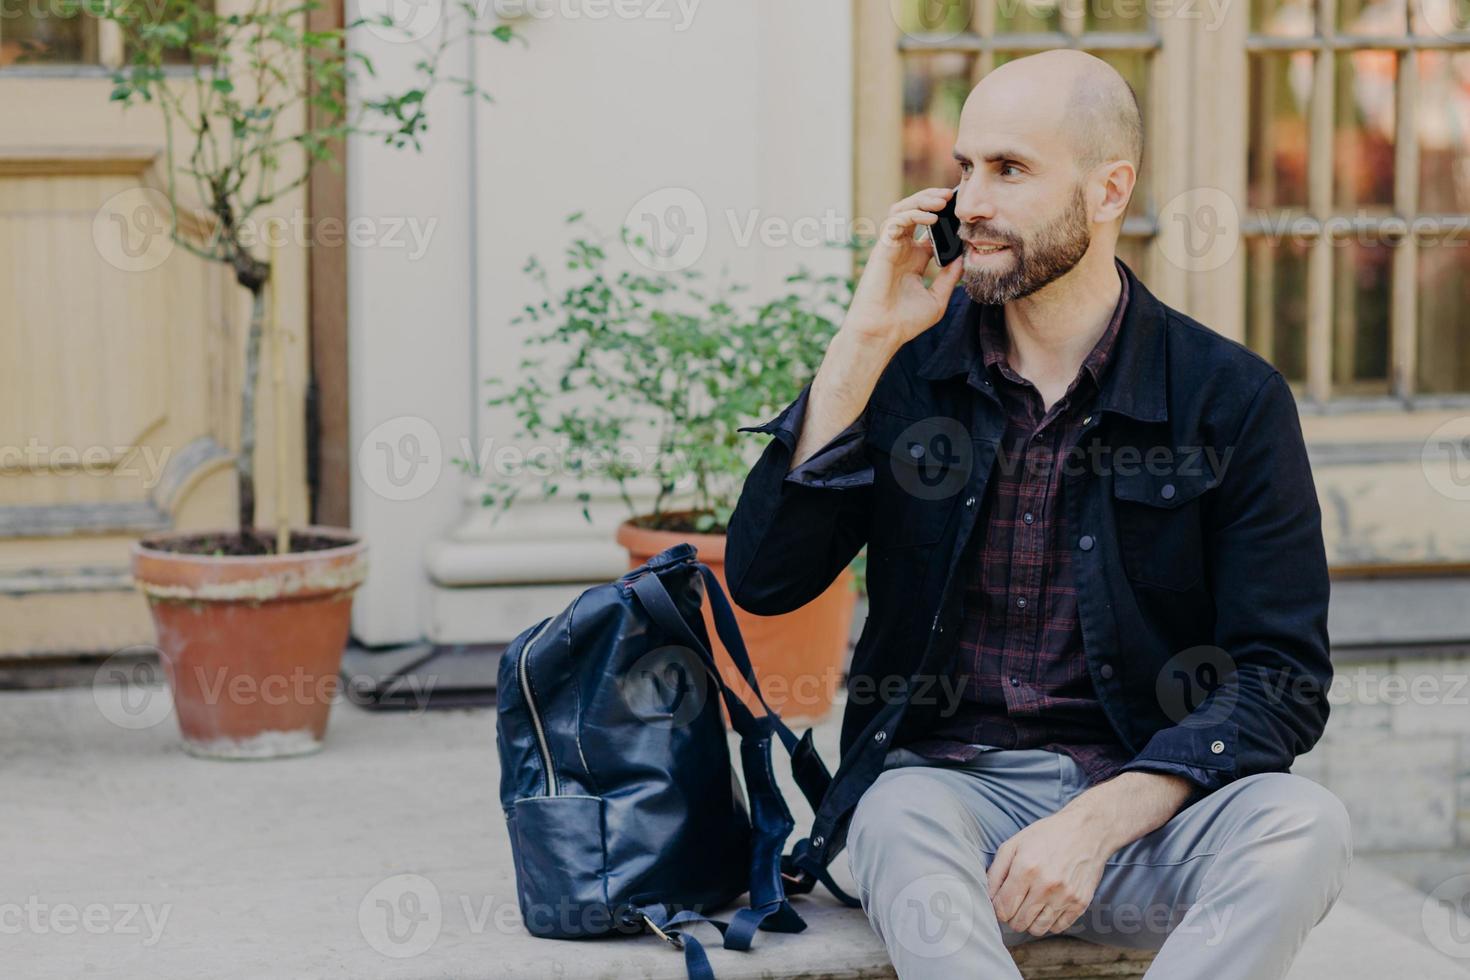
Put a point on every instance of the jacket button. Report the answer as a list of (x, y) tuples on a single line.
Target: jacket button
[(1106, 672), (1217, 746), (818, 841), (1167, 491), (916, 450), (881, 737), (1087, 421), (1086, 542), (970, 502)]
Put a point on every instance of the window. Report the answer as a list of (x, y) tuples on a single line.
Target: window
[(1358, 195), (947, 46), (1335, 132), (45, 33)]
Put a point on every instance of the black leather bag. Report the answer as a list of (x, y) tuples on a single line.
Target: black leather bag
[(623, 808)]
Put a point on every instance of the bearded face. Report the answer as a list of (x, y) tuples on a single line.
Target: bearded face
[(1003, 264)]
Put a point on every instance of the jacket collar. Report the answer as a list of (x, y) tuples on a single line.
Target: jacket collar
[(1134, 385)]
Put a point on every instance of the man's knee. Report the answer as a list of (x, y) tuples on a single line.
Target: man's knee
[(1309, 819), (906, 812)]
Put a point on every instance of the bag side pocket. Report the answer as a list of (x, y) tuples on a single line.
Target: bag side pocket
[(561, 866)]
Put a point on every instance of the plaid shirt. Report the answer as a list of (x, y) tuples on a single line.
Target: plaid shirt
[(1023, 677)]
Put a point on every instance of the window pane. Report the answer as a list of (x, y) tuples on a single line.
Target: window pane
[(1360, 316), (1283, 18), (942, 17), (1026, 16), (1116, 16), (1364, 131), (1276, 304), (30, 34), (1374, 18), (934, 90), (1280, 94), (1444, 336), (1444, 131)]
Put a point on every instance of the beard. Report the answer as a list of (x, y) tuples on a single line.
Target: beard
[(1047, 256)]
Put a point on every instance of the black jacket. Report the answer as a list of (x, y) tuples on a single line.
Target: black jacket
[(1202, 573)]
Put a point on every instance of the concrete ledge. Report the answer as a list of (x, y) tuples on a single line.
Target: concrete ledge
[(384, 857)]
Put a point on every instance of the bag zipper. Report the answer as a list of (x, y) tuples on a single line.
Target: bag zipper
[(523, 672)]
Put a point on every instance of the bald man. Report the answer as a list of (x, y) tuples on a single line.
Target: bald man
[(1096, 576)]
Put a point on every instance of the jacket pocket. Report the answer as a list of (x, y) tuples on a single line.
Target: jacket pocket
[(560, 856), (1160, 533), (921, 468)]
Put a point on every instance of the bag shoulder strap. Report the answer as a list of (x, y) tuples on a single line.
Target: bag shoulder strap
[(770, 817)]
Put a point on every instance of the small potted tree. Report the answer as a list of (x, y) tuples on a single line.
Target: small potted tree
[(252, 622), (645, 381)]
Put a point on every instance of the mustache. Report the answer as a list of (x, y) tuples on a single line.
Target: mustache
[(980, 231)]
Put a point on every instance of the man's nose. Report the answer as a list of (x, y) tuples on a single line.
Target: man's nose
[(973, 203)]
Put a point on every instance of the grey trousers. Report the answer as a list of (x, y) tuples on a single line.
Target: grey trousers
[(1226, 890)]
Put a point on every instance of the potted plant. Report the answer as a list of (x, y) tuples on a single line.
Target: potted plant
[(252, 622), (646, 379)]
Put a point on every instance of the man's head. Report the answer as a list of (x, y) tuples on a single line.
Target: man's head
[(1049, 148)]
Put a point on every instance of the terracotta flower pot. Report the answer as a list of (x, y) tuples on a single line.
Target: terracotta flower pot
[(251, 644), (798, 657)]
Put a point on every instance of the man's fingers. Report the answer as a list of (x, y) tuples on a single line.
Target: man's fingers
[(1044, 921), (944, 283), (995, 875), (929, 199), (900, 227)]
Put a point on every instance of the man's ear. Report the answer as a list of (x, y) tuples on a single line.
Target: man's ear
[(1112, 184)]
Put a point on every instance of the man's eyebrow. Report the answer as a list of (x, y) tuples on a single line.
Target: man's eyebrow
[(997, 156)]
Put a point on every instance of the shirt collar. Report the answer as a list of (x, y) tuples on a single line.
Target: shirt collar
[(1133, 342)]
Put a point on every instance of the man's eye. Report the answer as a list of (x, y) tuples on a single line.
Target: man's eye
[(1010, 170), (965, 169)]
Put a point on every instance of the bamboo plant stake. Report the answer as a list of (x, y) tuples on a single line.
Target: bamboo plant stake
[(278, 397)]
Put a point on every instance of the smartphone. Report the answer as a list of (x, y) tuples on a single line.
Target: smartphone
[(945, 233)]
